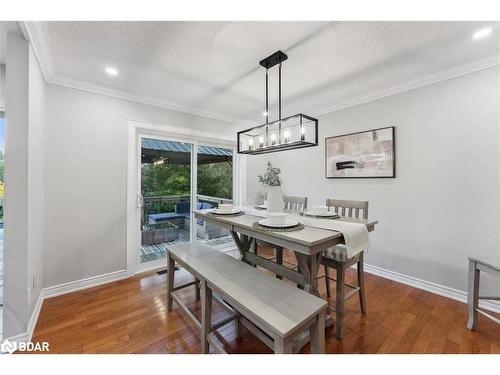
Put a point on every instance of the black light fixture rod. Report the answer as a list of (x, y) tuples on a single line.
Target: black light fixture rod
[(279, 102), (267, 97), (279, 91)]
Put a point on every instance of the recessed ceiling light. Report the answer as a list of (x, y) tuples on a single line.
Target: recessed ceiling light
[(111, 71), (482, 33)]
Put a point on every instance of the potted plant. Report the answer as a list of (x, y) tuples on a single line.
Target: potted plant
[(272, 181)]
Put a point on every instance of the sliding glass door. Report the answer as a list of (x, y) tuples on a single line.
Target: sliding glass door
[(176, 176), (214, 186), (165, 182)]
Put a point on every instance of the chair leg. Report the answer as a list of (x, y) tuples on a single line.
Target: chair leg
[(339, 302), (473, 295), (361, 284), (327, 282)]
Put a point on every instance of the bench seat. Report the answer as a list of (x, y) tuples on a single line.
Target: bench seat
[(280, 310)]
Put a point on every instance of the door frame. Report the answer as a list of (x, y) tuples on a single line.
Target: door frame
[(138, 130)]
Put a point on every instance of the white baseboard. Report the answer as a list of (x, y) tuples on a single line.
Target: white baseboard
[(61, 289), (428, 286), (90, 282), (34, 316)]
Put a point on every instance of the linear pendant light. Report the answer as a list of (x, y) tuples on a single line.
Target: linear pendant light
[(287, 133)]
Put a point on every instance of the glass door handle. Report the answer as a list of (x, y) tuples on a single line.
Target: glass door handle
[(140, 200)]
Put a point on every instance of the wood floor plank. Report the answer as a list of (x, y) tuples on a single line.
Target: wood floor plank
[(130, 316)]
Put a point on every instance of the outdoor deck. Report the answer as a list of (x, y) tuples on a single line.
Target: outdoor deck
[(158, 250)]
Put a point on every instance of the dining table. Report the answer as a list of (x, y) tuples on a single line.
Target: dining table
[(307, 244)]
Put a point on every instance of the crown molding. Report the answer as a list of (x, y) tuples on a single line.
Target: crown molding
[(415, 84), (37, 34), (137, 98)]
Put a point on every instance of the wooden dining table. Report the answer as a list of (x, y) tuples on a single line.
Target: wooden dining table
[(307, 244)]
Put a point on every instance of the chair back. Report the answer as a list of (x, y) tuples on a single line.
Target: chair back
[(261, 197), (356, 209), (295, 203)]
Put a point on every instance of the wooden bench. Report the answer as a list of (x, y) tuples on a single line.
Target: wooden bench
[(271, 309)]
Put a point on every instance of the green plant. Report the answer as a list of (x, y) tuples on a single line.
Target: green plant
[(271, 177)]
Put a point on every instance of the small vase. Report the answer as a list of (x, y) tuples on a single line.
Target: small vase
[(275, 201)]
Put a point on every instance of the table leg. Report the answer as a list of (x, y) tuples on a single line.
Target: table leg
[(473, 295), (170, 280), (279, 258), (309, 267)]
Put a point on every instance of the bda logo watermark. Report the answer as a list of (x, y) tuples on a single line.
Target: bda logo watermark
[(12, 346)]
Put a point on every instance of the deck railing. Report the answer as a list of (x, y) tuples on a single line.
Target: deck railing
[(209, 199), (167, 203)]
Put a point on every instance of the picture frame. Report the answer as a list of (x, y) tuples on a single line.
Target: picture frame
[(364, 154)]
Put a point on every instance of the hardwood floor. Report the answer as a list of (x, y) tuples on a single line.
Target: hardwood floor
[(130, 316)]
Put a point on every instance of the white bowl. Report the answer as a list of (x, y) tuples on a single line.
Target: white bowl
[(277, 217), (226, 207), (319, 209)]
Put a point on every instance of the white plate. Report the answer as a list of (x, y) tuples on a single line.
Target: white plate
[(287, 224), (321, 214), (232, 212)]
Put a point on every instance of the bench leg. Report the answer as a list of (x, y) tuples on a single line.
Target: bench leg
[(282, 346), (206, 315), (339, 303), (317, 334), (170, 280), (473, 295)]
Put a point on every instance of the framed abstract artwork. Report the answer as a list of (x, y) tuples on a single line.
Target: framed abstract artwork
[(367, 154)]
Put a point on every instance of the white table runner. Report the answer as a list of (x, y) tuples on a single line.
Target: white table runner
[(355, 234)]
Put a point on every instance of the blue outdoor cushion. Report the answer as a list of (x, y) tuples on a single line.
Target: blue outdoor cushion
[(156, 218)]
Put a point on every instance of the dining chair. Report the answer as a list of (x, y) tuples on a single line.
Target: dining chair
[(291, 204), (336, 258)]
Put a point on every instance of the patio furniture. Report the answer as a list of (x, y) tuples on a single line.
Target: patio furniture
[(159, 233), (273, 311), (489, 265), (337, 259), (182, 214)]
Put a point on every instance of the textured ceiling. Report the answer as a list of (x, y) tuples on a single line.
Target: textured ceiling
[(212, 67)]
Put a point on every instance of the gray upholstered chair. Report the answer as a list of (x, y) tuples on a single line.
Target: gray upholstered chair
[(336, 258)]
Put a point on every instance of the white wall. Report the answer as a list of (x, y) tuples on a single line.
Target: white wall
[(16, 188), (86, 178), (444, 203), (24, 185), (36, 180), (2, 85)]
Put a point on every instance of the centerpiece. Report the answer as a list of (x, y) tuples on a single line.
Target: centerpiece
[(272, 181)]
